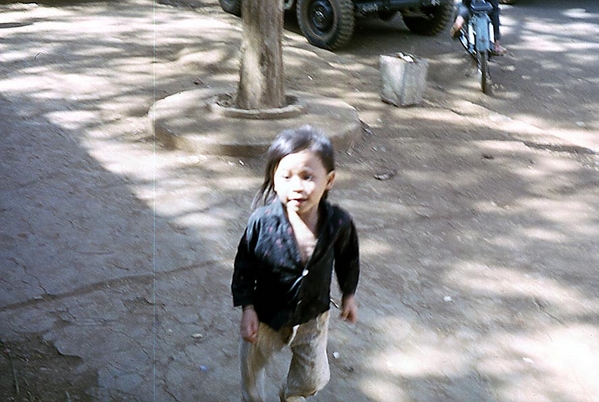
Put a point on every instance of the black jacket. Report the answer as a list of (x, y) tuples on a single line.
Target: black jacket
[(270, 275)]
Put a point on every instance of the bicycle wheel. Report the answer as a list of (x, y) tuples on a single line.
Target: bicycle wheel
[(483, 70), (463, 38)]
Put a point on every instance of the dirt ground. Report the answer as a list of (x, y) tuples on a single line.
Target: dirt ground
[(479, 245)]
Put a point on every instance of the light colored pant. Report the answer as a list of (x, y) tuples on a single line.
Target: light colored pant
[(309, 368)]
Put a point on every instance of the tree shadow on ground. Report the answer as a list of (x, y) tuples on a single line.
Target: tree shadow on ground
[(476, 282), (56, 3)]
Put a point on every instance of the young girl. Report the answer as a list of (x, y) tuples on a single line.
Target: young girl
[(284, 265)]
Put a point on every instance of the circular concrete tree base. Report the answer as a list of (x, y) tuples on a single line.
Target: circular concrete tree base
[(197, 121)]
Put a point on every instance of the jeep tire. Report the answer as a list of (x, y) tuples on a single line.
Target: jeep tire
[(433, 20), (328, 24)]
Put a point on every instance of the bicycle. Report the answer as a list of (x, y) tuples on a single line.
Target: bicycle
[(477, 38)]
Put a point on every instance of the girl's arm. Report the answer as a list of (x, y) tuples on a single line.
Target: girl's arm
[(243, 283), (347, 260), (349, 309), (347, 268), (249, 324), (244, 279)]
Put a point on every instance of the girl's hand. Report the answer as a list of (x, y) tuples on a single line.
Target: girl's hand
[(349, 310), (249, 324)]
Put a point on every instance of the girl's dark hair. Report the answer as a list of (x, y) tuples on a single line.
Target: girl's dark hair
[(289, 142)]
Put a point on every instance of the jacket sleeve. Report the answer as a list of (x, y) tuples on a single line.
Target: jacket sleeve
[(463, 9), (347, 259), (244, 274)]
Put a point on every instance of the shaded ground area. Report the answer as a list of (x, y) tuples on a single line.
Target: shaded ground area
[(479, 248), (30, 364)]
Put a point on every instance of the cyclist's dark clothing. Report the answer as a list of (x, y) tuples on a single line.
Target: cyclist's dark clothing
[(464, 11)]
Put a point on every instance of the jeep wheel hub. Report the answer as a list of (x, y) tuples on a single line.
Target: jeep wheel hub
[(321, 15)]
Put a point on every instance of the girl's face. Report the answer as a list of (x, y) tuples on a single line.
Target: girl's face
[(300, 181)]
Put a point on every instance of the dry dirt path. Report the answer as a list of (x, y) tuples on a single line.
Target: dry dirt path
[(479, 255)]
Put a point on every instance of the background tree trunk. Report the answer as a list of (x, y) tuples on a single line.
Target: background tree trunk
[(261, 84)]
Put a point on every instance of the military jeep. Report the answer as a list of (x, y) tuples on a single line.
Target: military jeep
[(329, 24)]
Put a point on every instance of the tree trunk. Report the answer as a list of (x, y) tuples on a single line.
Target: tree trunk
[(261, 84)]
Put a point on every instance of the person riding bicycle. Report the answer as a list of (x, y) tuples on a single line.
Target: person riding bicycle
[(464, 14)]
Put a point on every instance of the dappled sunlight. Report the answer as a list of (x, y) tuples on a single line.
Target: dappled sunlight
[(383, 391), (19, 85), (497, 281), (564, 357), (16, 55), (544, 38), (114, 159), (580, 13), (543, 234), (583, 54), (570, 212), (555, 172), (430, 357), (571, 217), (216, 56), (478, 226), (131, 65), (535, 360), (295, 57), (73, 120), (371, 246), (82, 85)]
